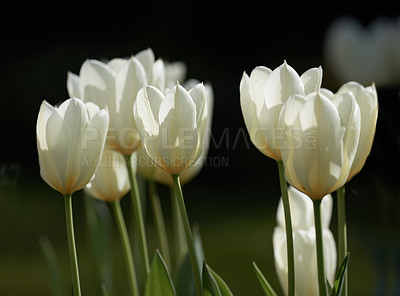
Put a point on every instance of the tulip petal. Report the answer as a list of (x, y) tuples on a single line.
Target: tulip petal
[(198, 94), (158, 75), (258, 79), (282, 83), (48, 169), (367, 101), (91, 147), (116, 64), (146, 109), (73, 85), (320, 134), (98, 84), (58, 143), (312, 80), (146, 58)]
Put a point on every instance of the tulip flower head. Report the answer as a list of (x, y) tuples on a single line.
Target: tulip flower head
[(70, 141), (149, 170), (111, 181), (262, 95), (320, 141), (115, 84), (304, 240), (172, 126)]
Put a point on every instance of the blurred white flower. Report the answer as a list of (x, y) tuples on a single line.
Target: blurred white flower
[(365, 54), (110, 181), (305, 254)]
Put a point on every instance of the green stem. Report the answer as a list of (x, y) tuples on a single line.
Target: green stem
[(320, 247), (138, 216), (342, 232), (288, 227), (126, 247), (71, 245), (188, 233), (159, 221), (180, 246)]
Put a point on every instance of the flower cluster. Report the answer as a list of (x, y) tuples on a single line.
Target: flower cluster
[(137, 116), (323, 138)]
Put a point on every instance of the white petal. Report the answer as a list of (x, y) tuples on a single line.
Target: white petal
[(258, 79), (97, 84), (73, 85), (312, 80), (146, 58), (282, 83)]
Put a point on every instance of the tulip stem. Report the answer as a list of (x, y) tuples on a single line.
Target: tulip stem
[(320, 247), (159, 221), (139, 221), (188, 233), (180, 246), (342, 232), (116, 206), (288, 227), (71, 244)]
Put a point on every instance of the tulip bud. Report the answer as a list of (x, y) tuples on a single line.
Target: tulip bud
[(304, 241), (172, 126), (262, 96), (111, 181), (70, 141)]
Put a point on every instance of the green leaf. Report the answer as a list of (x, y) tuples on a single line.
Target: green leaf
[(56, 279), (329, 287), (340, 276), (183, 278), (264, 283), (222, 286), (210, 287), (159, 282)]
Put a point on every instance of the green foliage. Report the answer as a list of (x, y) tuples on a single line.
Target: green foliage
[(213, 284), (56, 280), (263, 281), (337, 288), (159, 282)]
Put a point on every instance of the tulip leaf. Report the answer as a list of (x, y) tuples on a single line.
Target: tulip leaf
[(264, 283), (210, 286), (222, 286), (56, 278), (183, 278), (340, 276), (159, 282)]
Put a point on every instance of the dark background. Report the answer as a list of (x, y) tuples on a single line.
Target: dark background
[(234, 203)]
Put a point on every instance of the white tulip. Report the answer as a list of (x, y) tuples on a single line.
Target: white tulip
[(70, 141), (364, 53), (111, 181), (115, 84), (148, 169), (304, 240), (320, 141), (262, 95), (172, 126)]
